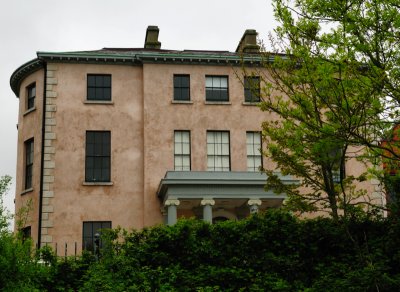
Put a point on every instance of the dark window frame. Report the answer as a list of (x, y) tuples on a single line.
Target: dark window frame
[(252, 91), (98, 153), (214, 93), (182, 154), (30, 96), (181, 91), (220, 155), (29, 156), (88, 240), (98, 87), (253, 156)]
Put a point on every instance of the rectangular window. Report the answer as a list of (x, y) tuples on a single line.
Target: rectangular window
[(217, 88), (90, 229), (26, 233), (28, 164), (338, 174), (218, 152), (182, 87), (99, 87), (98, 156), (252, 89), (31, 95), (182, 150), (254, 157)]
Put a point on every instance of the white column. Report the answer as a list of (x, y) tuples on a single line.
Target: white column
[(254, 205), (207, 209), (171, 210)]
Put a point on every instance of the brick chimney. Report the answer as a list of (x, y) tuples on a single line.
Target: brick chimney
[(151, 41), (248, 42)]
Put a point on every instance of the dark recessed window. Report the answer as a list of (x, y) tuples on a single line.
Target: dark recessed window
[(98, 156), (253, 145), (218, 152), (89, 231), (182, 87), (99, 87), (217, 88), (31, 95), (28, 163), (182, 150), (26, 233), (252, 89)]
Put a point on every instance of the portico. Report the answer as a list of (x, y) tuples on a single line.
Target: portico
[(214, 196)]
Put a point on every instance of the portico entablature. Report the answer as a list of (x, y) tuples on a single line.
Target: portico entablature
[(218, 190)]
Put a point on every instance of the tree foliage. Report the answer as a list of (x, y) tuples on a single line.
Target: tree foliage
[(332, 90), (274, 251)]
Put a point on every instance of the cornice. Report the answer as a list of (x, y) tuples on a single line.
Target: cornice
[(137, 58)]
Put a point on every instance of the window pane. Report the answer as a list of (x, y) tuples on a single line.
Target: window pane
[(216, 81), (185, 136), (178, 136), (224, 82), (91, 80), (99, 81), (105, 175), (91, 93), (186, 161), (185, 149), (107, 94), (225, 137), (185, 94), (210, 137), (178, 148), (210, 149), (225, 149), (107, 81), (209, 82), (185, 81), (224, 95), (177, 94)]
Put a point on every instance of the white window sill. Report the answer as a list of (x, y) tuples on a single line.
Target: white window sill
[(182, 102), (98, 102), (249, 103), (218, 102), (26, 191), (85, 183), (29, 111)]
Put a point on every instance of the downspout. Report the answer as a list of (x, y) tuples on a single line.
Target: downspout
[(42, 156)]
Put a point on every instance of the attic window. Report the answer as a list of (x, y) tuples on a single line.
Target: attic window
[(99, 87)]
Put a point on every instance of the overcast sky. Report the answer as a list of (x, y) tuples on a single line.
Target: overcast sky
[(28, 26)]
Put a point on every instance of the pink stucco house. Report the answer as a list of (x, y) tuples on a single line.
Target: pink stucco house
[(138, 137)]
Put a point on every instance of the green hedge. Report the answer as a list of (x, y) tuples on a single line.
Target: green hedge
[(273, 251)]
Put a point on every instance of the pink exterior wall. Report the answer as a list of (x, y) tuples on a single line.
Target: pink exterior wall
[(75, 202), (29, 126), (162, 117), (142, 118)]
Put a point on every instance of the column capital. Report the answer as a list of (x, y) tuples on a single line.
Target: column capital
[(210, 202), (252, 202), (172, 202)]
